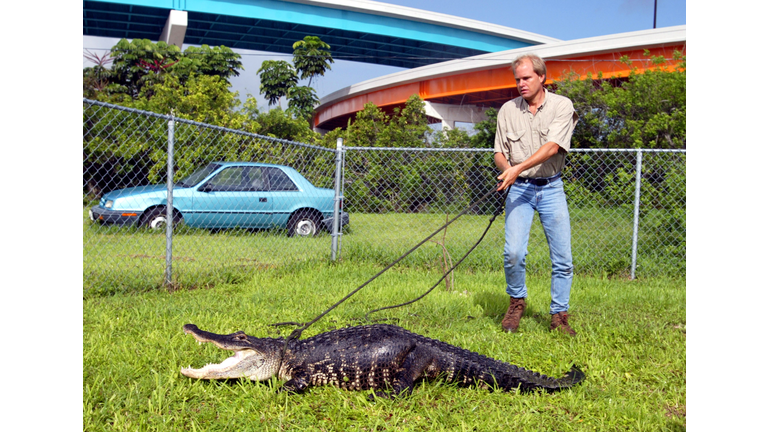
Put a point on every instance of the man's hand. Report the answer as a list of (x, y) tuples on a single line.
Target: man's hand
[(509, 173), (507, 178)]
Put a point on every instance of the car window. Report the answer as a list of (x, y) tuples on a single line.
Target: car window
[(279, 181), (230, 180), (198, 175), (257, 180)]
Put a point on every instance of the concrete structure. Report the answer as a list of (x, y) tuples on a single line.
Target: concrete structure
[(459, 66), (175, 28), (471, 85), (357, 30)]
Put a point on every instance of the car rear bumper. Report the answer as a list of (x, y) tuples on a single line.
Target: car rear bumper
[(119, 217), (328, 222)]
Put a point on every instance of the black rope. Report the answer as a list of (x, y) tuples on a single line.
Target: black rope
[(477, 243), (297, 332)]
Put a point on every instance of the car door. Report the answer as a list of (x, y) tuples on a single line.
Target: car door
[(284, 194), (235, 197)]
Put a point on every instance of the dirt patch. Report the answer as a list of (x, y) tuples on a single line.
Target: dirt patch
[(674, 411)]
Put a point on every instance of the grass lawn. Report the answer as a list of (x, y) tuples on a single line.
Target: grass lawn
[(129, 260), (631, 345)]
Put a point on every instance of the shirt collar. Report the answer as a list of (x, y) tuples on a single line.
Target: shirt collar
[(546, 98)]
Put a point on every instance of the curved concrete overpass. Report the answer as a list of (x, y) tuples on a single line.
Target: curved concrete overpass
[(357, 30), (461, 90)]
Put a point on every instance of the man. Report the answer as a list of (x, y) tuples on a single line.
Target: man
[(533, 135)]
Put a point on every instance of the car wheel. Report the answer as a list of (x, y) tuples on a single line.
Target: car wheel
[(155, 219), (303, 224)]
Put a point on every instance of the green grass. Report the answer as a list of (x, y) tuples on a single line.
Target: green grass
[(125, 260), (631, 345)]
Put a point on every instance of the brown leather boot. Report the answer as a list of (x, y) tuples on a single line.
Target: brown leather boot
[(560, 322), (511, 319)]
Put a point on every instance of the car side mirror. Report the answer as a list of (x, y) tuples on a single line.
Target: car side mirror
[(206, 188)]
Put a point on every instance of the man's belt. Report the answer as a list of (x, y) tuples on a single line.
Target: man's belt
[(537, 181)]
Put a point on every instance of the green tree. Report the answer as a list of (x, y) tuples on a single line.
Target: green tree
[(311, 57), (402, 181), (407, 127), (202, 98), (647, 110), (140, 64), (280, 124), (212, 61), (368, 124), (195, 86), (277, 77), (302, 101), (119, 146), (485, 130)]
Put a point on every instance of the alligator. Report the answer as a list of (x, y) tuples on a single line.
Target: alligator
[(378, 357)]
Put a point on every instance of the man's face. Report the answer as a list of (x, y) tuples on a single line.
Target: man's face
[(529, 84)]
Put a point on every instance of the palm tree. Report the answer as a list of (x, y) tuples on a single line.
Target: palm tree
[(96, 78)]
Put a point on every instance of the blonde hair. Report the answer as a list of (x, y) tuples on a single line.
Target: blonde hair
[(538, 64)]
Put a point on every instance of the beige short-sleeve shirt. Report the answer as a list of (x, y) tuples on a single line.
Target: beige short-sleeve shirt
[(519, 134)]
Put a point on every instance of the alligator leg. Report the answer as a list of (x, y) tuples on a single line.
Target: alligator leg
[(412, 368), (297, 384)]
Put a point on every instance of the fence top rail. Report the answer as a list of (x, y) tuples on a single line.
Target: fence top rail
[(490, 150), (626, 150), (206, 125), (418, 149)]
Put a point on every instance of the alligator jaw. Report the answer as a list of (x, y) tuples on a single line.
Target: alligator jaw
[(233, 367), (253, 358), (232, 342)]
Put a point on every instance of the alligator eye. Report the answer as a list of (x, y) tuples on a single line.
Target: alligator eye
[(241, 336)]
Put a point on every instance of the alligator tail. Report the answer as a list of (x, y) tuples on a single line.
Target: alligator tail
[(549, 384), (573, 377)]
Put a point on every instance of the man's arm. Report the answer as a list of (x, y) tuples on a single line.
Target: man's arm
[(509, 173)]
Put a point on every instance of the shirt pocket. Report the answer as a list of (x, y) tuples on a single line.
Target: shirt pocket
[(518, 151), (543, 136)]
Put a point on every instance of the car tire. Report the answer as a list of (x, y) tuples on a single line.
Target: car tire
[(303, 224), (155, 219)]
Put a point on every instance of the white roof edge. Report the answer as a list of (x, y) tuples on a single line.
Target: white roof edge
[(412, 14), (564, 49)]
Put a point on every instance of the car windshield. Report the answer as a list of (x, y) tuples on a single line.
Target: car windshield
[(197, 176)]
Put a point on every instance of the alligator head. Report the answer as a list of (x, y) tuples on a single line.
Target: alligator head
[(255, 358)]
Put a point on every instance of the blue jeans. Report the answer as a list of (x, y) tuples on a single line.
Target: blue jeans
[(549, 201)]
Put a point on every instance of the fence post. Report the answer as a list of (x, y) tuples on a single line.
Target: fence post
[(636, 223), (169, 207), (337, 201)]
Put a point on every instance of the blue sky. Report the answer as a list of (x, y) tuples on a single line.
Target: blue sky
[(561, 19)]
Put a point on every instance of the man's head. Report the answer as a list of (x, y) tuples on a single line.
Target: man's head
[(530, 74)]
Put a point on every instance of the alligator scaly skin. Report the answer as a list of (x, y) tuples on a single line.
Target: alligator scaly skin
[(382, 357)]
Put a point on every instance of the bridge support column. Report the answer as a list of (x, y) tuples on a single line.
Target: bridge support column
[(450, 114), (175, 28)]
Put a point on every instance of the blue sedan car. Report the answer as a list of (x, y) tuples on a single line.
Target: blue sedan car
[(227, 195)]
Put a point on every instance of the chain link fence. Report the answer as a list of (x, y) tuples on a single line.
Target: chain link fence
[(623, 223), (232, 223)]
